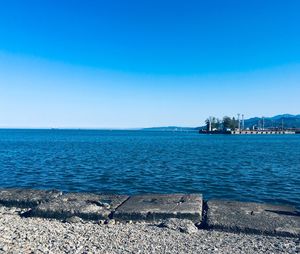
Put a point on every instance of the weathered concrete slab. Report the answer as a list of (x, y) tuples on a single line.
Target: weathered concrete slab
[(26, 198), (84, 205), (157, 207), (253, 218)]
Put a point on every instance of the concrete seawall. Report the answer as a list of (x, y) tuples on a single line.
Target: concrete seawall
[(230, 216)]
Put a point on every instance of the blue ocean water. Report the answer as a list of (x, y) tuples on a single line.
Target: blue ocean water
[(248, 168)]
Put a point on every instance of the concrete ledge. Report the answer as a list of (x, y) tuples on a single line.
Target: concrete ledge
[(26, 198), (228, 216), (156, 207), (84, 205), (253, 218)]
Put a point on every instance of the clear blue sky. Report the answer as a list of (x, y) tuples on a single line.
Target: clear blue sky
[(127, 64)]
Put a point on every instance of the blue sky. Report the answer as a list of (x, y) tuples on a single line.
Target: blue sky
[(128, 64)]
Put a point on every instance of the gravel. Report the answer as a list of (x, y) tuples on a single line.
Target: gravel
[(37, 235), (185, 226)]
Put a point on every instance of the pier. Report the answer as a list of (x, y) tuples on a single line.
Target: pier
[(232, 126), (250, 132), (260, 132)]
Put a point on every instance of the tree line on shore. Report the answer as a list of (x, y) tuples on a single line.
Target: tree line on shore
[(224, 124), (285, 121)]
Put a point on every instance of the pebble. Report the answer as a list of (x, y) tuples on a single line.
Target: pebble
[(101, 222), (74, 219), (112, 222), (37, 235)]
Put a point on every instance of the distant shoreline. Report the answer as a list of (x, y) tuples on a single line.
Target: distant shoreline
[(179, 129)]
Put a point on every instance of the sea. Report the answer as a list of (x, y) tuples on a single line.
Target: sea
[(259, 168)]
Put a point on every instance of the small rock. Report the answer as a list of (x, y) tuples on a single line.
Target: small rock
[(106, 205), (198, 225), (112, 222), (74, 219), (4, 248), (185, 226), (101, 222)]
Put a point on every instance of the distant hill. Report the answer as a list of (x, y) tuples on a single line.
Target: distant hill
[(288, 121), (169, 128)]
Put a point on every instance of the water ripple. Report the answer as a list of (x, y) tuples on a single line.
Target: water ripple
[(252, 168)]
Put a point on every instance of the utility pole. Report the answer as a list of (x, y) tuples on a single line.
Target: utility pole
[(239, 122)]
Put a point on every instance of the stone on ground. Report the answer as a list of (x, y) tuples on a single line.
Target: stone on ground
[(74, 219), (253, 218), (182, 225), (36, 235)]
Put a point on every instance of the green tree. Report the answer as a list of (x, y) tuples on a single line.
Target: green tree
[(227, 122), (215, 123), (230, 123), (234, 123)]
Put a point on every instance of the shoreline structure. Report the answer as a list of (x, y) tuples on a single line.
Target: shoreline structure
[(251, 132), (220, 215), (234, 126)]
